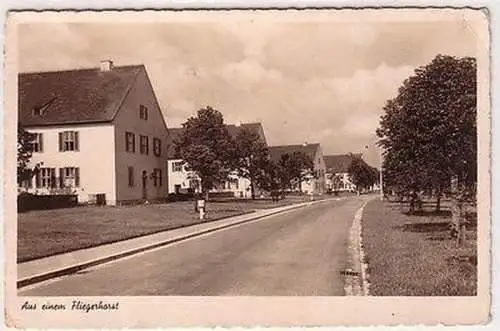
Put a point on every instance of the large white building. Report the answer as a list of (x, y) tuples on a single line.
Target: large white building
[(100, 134)]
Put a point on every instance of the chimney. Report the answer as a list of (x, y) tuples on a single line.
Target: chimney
[(106, 65)]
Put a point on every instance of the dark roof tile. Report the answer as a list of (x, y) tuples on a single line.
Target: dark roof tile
[(339, 163), (309, 150), (73, 96)]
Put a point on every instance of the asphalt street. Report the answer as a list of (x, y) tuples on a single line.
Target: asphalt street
[(298, 253)]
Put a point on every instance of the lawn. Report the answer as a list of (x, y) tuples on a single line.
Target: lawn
[(414, 255), (48, 232)]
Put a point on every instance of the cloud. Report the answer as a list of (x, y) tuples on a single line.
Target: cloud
[(305, 81)]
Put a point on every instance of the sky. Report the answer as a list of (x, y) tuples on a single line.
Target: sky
[(322, 81)]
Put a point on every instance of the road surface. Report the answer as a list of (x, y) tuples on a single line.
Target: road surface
[(298, 253)]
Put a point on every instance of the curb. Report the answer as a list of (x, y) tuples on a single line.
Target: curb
[(356, 281), (83, 265)]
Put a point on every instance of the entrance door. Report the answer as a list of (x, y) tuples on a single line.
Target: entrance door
[(144, 185)]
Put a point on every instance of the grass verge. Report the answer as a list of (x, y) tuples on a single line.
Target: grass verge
[(49, 232), (414, 255)]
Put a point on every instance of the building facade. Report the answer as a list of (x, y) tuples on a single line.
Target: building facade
[(100, 134), (181, 180), (337, 169), (315, 182)]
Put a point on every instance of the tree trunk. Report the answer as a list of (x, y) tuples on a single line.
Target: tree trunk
[(457, 212), (438, 201), (252, 188)]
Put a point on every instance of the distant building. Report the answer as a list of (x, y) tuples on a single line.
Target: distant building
[(313, 184), (182, 180), (337, 170), (100, 133)]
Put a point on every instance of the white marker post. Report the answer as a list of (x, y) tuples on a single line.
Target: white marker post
[(201, 208)]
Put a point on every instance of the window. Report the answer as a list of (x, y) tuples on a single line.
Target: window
[(130, 142), (68, 141), (131, 176), (27, 183), (144, 144), (177, 166), (143, 112), (38, 111), (157, 177), (69, 177), (45, 177), (156, 147), (37, 143)]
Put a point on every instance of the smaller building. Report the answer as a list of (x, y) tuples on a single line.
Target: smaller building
[(315, 183), (337, 172), (181, 180)]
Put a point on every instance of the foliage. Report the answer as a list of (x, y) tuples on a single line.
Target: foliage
[(251, 156), (336, 182), (24, 152), (428, 130), (361, 174), (207, 148)]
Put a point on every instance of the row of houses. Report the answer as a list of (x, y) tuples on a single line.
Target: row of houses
[(101, 135)]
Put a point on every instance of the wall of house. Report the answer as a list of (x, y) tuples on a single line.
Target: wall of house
[(94, 159), (316, 185), (128, 120), (240, 187), (181, 178)]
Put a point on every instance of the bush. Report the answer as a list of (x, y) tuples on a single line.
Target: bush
[(27, 201)]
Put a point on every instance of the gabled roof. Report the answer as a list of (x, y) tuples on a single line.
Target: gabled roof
[(233, 130), (339, 163), (309, 150), (74, 96), (173, 135)]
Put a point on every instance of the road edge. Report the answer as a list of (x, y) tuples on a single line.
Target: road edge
[(356, 275), (43, 276)]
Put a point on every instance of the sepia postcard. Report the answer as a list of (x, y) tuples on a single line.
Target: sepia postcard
[(316, 167)]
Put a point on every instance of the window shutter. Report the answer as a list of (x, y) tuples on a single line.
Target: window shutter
[(40, 142), (61, 142), (77, 141), (133, 142), (126, 142), (77, 177), (61, 177), (38, 179), (159, 175)]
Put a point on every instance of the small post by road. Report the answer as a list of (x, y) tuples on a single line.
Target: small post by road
[(201, 208)]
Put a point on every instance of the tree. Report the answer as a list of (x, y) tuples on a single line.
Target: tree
[(24, 152), (207, 148), (361, 174), (429, 130), (294, 169), (286, 173), (251, 154)]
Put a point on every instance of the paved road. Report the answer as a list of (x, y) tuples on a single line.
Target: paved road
[(300, 252)]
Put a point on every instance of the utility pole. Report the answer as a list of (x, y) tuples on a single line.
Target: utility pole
[(381, 176)]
